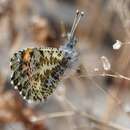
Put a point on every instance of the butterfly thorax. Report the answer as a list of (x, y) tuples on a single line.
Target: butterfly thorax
[(70, 52)]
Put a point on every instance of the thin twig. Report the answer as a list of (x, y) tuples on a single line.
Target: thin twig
[(90, 117), (119, 76)]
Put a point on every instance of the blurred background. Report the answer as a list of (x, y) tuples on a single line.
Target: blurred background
[(97, 96)]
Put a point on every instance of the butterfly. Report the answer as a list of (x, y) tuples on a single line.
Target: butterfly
[(36, 72)]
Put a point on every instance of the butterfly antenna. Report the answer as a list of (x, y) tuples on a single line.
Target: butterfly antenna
[(77, 19)]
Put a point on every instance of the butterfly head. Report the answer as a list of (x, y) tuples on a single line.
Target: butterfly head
[(71, 41)]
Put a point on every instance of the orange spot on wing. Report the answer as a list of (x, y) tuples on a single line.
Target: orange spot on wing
[(26, 55)]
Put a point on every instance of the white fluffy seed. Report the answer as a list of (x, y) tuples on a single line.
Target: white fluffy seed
[(117, 45), (105, 63)]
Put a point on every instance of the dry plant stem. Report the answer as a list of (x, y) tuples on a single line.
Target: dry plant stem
[(117, 75), (99, 86), (16, 111), (91, 118), (113, 97), (121, 6), (117, 101), (64, 104)]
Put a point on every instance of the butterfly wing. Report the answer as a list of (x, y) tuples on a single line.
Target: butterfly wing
[(36, 72)]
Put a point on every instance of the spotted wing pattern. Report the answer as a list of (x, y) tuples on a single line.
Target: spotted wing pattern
[(36, 72)]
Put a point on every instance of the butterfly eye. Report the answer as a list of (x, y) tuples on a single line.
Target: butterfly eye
[(71, 46)]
